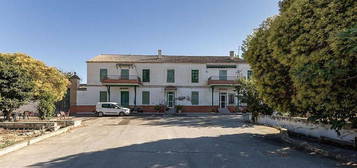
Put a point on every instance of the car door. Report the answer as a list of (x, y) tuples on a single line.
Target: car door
[(115, 109), (105, 108)]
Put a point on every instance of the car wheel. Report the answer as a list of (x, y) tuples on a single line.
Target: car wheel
[(121, 114), (100, 114)]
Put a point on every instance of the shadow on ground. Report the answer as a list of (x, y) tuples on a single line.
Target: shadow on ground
[(239, 150), (229, 121)]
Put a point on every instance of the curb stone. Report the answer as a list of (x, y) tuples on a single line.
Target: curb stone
[(310, 148), (25, 143)]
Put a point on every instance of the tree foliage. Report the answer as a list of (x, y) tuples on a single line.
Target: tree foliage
[(46, 106), (48, 80), (272, 80), (310, 47), (50, 85), (16, 86), (247, 93)]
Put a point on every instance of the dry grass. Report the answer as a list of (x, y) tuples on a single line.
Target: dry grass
[(9, 137)]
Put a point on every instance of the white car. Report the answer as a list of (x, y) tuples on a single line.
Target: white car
[(110, 108)]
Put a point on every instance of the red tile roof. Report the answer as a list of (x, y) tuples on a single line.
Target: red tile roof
[(117, 58)]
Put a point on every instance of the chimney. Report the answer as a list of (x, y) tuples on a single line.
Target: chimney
[(159, 54), (231, 54)]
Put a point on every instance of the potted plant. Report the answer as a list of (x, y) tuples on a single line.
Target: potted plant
[(179, 108), (157, 108), (214, 110)]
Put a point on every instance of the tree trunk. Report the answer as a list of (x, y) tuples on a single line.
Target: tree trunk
[(7, 114)]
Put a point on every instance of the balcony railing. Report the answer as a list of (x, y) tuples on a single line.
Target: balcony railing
[(121, 79), (223, 80)]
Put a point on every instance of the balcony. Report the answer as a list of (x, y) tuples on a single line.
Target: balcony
[(121, 80), (223, 80)]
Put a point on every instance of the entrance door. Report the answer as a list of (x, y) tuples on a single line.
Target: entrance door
[(223, 100), (124, 98), (170, 99)]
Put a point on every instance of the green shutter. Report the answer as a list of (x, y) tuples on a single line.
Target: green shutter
[(249, 74), (222, 74), (103, 74), (170, 76), (124, 74), (194, 76), (103, 96), (146, 75), (146, 97), (194, 98)]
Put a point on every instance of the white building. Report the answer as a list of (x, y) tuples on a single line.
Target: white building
[(199, 83)]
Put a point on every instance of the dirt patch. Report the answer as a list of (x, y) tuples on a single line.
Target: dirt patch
[(10, 137), (124, 122)]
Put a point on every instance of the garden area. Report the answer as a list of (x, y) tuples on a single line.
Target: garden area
[(29, 91)]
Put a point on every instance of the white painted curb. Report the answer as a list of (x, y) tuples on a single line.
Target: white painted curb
[(23, 144)]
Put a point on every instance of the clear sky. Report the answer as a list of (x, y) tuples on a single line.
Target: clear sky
[(66, 33)]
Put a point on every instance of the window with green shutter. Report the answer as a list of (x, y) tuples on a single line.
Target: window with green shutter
[(103, 96), (170, 76), (194, 76), (222, 74), (194, 98), (146, 97), (146, 75), (124, 73), (249, 74), (103, 74)]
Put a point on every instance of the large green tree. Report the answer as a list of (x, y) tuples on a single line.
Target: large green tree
[(50, 84), (308, 39), (271, 77), (16, 86)]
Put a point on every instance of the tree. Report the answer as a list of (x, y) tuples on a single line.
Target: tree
[(50, 84), (248, 94), (318, 63), (16, 86), (274, 84)]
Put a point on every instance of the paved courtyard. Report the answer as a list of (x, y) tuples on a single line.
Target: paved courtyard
[(154, 142)]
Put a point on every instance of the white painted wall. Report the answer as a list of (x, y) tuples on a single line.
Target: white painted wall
[(157, 95), (158, 81), (307, 128), (158, 72), (90, 96)]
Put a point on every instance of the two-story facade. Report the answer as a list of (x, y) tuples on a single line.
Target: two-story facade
[(198, 83)]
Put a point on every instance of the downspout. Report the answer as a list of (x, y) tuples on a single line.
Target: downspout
[(212, 95), (108, 88), (134, 96)]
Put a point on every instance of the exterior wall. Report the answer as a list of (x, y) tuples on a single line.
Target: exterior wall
[(90, 96), (302, 126), (86, 99), (81, 108), (157, 95), (158, 72)]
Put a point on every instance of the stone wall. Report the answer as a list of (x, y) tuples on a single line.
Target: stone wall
[(302, 126), (30, 125)]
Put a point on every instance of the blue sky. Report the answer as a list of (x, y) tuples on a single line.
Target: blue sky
[(66, 33)]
